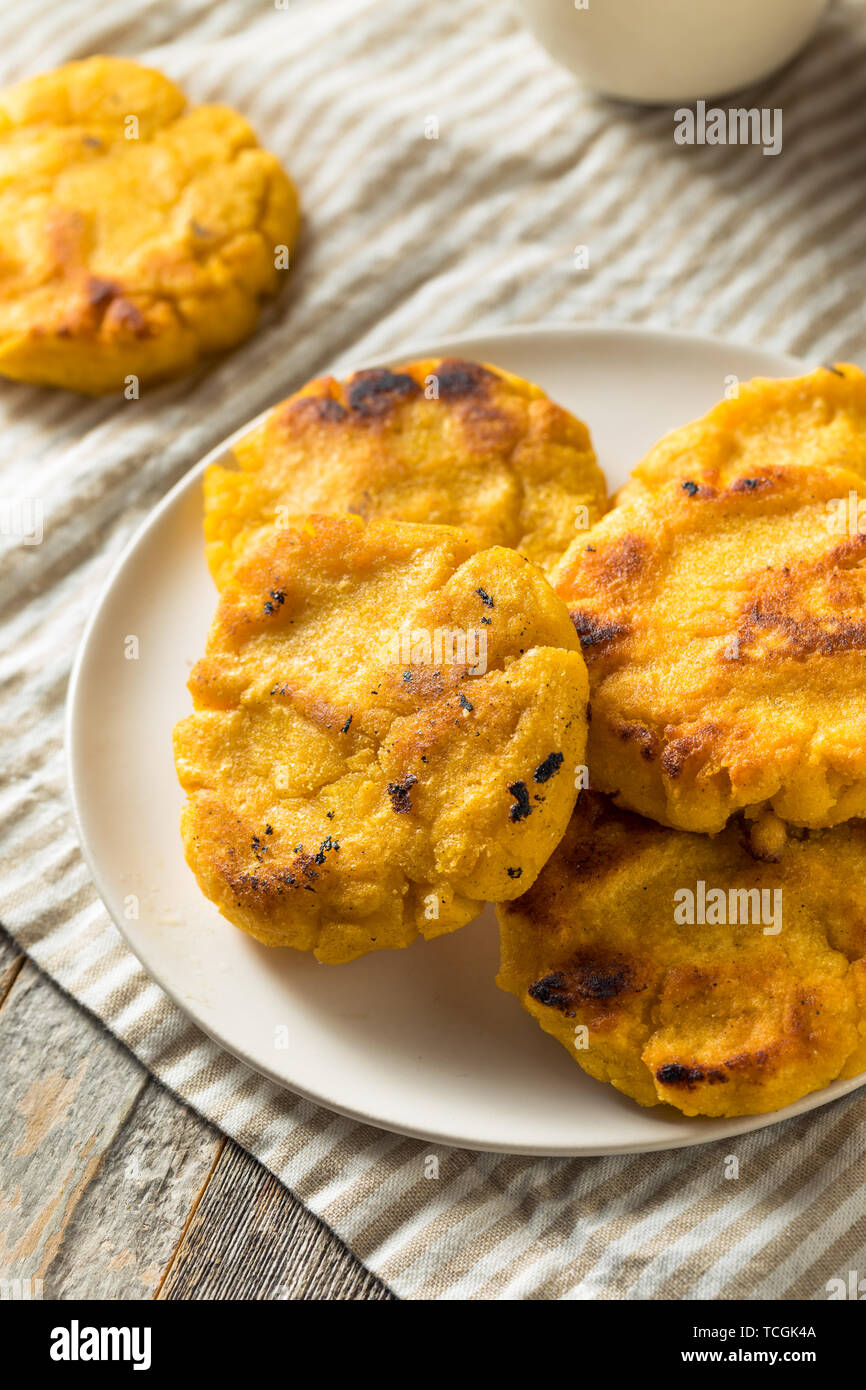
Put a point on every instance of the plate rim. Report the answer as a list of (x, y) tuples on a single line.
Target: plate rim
[(342, 365)]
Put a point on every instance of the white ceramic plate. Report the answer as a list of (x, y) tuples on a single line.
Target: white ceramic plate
[(418, 1041)]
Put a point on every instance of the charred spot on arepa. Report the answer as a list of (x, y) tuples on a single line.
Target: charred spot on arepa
[(546, 769), (258, 889), (521, 807), (588, 977), (401, 793), (313, 408), (482, 401), (689, 1075), (373, 394), (276, 600), (459, 380), (594, 631), (552, 991), (755, 484), (703, 491), (327, 845), (329, 409), (270, 880)]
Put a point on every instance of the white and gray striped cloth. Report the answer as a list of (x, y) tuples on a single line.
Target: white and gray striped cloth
[(405, 236)]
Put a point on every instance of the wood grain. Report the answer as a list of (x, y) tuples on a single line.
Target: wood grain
[(98, 1165), (111, 1188), (250, 1238)]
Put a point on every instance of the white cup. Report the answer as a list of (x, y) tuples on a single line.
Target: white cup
[(672, 50)]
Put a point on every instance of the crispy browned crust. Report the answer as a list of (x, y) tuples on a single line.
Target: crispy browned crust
[(345, 799), (724, 627), (714, 1019), (439, 441)]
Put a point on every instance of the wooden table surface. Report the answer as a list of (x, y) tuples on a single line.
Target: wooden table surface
[(111, 1188)]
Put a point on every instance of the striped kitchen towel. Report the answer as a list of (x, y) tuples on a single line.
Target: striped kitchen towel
[(477, 229)]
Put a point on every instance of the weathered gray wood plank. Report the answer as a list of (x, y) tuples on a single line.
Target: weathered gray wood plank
[(110, 1188), (99, 1166), (250, 1238)]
